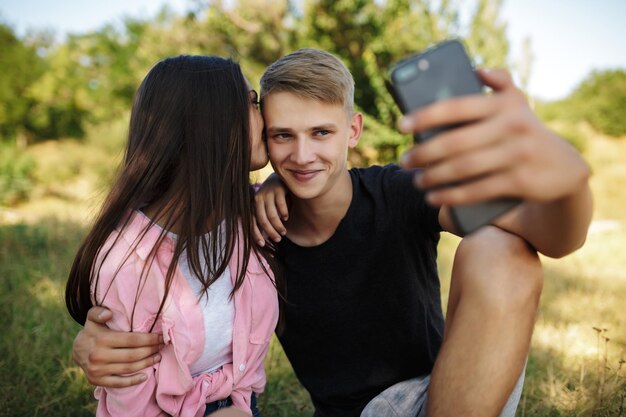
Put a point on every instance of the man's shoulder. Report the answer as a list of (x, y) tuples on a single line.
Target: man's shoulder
[(385, 175), (376, 169), (379, 171)]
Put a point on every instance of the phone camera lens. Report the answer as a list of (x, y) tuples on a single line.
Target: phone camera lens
[(405, 74)]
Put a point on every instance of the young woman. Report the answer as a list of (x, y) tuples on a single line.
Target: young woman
[(171, 250)]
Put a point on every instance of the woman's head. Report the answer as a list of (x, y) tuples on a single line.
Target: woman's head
[(192, 126), (195, 133)]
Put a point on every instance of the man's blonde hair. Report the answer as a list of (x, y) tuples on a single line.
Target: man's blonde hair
[(312, 74)]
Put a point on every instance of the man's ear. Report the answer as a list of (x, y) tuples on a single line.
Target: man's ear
[(356, 128)]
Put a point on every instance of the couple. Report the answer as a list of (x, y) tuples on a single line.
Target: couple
[(353, 260)]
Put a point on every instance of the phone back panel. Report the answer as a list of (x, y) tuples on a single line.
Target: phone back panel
[(440, 73), (437, 74)]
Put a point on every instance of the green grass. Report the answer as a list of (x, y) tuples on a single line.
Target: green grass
[(39, 378), (573, 369)]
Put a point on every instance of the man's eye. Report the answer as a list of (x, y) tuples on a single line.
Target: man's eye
[(322, 132)]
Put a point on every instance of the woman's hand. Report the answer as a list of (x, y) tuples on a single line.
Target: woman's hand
[(271, 210)]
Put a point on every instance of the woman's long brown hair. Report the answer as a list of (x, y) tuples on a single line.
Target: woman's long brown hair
[(188, 155)]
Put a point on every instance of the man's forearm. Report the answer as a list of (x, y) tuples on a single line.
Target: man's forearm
[(554, 229)]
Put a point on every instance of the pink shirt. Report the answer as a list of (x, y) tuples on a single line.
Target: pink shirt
[(170, 389)]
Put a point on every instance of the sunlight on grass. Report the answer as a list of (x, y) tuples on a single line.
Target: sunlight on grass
[(573, 342), (579, 342), (47, 292)]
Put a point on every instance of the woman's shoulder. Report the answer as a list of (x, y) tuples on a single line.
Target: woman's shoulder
[(128, 279), (128, 247)]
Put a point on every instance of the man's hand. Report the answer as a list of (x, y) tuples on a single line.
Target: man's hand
[(106, 355), (503, 150), (271, 210)]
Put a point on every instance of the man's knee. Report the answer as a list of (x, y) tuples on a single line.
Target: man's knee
[(499, 268)]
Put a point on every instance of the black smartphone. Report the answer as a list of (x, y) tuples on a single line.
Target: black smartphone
[(441, 72)]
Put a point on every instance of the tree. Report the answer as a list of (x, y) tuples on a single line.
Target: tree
[(601, 100), (371, 35), (255, 32), (91, 78), (21, 67), (487, 40)]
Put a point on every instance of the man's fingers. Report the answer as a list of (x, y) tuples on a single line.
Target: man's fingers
[(498, 79), (466, 108), (484, 189), (125, 356), (99, 315), (449, 112), (122, 368), (454, 142), (468, 167), (121, 340), (490, 159), (115, 381)]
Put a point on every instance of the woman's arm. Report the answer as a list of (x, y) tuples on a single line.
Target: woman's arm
[(271, 210)]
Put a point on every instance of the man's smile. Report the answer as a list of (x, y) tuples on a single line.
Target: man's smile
[(304, 175)]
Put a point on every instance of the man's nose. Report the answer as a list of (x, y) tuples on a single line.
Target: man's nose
[(303, 153)]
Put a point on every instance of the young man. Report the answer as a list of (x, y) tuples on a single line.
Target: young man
[(364, 330)]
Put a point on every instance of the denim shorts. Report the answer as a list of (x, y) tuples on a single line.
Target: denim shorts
[(227, 402), (409, 399)]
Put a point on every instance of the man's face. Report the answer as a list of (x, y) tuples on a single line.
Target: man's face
[(308, 142)]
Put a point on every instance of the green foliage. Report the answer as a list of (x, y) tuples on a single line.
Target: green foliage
[(21, 67), (573, 134), (487, 40), (555, 110), (255, 32), (370, 35), (601, 98), (346, 28), (16, 175), (91, 77), (563, 120), (379, 144)]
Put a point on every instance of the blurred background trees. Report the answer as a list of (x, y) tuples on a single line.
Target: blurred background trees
[(51, 90), (600, 99)]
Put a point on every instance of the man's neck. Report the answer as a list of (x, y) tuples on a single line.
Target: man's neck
[(312, 222)]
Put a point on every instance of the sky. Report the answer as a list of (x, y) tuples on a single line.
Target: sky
[(569, 38)]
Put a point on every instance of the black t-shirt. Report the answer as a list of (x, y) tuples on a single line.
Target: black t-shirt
[(364, 309)]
